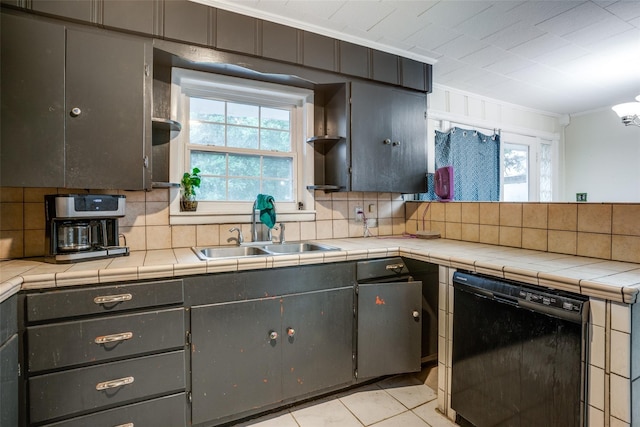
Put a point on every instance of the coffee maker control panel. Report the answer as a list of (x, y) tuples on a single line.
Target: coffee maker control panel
[(87, 206)]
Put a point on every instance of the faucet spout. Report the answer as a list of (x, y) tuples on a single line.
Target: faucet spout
[(254, 228)]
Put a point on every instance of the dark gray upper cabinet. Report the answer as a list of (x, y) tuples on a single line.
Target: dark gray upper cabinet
[(414, 74), (319, 51), (388, 139), (81, 10), (235, 32), (279, 42), (187, 21), (384, 67), (32, 131), (108, 80), (132, 15), (74, 111), (354, 59)]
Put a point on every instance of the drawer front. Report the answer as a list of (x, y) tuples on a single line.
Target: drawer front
[(65, 394), (169, 411), (61, 345), (59, 304)]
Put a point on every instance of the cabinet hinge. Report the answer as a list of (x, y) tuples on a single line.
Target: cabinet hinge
[(355, 373), (145, 161), (147, 70), (19, 370), (189, 397), (188, 338), (425, 114)]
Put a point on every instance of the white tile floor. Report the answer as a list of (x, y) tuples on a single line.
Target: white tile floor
[(399, 401)]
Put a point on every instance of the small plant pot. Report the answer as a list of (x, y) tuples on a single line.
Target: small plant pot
[(188, 205)]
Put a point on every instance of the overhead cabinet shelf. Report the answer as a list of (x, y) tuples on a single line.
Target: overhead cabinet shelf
[(324, 139), (166, 124)]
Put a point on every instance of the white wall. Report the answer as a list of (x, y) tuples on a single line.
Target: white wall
[(602, 158)]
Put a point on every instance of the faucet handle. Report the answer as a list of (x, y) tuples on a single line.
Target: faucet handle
[(281, 238), (239, 239)]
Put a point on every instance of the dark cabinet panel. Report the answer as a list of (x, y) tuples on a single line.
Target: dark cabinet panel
[(319, 51), (413, 74), (388, 139), (81, 10), (167, 411), (385, 67), (33, 109), (9, 382), (237, 364), (132, 15), (102, 299), (317, 340), (61, 345), (235, 32), (105, 385), (279, 42), (187, 21), (106, 81), (389, 328), (354, 59)]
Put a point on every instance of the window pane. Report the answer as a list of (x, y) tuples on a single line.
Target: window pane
[(274, 118), (546, 189), (244, 165), (209, 163), (277, 167), (243, 189), (242, 114), (206, 109), (212, 188), (206, 133), (516, 173), (275, 140), (242, 137), (281, 190)]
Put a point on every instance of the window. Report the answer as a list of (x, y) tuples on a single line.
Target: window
[(527, 169), (516, 173), (246, 137)]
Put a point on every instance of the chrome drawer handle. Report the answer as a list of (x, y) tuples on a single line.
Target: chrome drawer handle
[(394, 267), (122, 336), (114, 383), (108, 299), (125, 425)]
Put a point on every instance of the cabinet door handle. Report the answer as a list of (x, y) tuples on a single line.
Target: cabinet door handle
[(386, 141), (415, 314), (125, 425), (395, 143), (75, 112), (273, 335), (394, 267), (109, 299), (114, 383), (122, 336), (291, 332)]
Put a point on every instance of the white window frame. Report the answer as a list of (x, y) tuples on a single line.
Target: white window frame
[(186, 83)]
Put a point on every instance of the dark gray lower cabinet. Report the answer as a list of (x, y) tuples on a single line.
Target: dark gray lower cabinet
[(9, 382), (249, 355)]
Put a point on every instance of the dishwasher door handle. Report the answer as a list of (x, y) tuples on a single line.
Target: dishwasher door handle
[(505, 299)]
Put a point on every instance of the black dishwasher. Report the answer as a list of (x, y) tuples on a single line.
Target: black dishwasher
[(518, 354)]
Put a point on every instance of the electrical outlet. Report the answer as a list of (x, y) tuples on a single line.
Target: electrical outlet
[(359, 214), (581, 197)]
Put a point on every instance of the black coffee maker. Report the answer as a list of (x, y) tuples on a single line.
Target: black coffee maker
[(81, 227)]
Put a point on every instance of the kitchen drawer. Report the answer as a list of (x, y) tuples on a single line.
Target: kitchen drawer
[(169, 411), (61, 345), (72, 392), (82, 301)]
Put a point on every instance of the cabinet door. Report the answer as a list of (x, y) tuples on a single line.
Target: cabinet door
[(32, 93), (408, 142), (317, 341), (9, 382), (389, 328), (108, 139), (236, 366), (370, 126)]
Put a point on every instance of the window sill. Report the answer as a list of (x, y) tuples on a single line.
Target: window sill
[(194, 218)]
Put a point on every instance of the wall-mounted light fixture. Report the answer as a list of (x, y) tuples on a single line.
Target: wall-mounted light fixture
[(629, 112)]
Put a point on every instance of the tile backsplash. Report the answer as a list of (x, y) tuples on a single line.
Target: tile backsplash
[(597, 230), (146, 225)]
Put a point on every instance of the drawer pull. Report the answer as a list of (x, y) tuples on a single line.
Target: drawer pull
[(124, 425), (395, 267), (114, 383), (122, 336), (109, 299)]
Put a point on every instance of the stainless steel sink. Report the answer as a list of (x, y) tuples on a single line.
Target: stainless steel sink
[(294, 248), (220, 252), (228, 252)]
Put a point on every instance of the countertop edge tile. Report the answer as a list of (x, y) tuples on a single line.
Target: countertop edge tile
[(119, 274), (10, 288), (76, 278), (155, 271)]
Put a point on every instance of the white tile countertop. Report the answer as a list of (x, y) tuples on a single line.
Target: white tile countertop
[(605, 279)]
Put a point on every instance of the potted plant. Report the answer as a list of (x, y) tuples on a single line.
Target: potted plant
[(189, 182)]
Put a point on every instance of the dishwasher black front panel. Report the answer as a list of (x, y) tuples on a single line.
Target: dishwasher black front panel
[(514, 366)]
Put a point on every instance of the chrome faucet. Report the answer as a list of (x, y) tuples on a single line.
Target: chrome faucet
[(282, 233), (239, 239), (255, 223)]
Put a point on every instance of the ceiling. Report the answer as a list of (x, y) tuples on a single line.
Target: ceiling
[(558, 56)]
